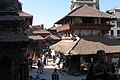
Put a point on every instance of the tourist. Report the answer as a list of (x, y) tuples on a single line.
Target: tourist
[(55, 75), (40, 66)]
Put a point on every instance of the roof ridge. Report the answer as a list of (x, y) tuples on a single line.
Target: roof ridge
[(75, 9)]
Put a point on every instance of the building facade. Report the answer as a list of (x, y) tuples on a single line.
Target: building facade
[(115, 31), (91, 3)]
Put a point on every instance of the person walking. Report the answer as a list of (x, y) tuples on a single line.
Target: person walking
[(40, 66), (55, 75)]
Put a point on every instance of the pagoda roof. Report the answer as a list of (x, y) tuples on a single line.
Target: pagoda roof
[(37, 27), (25, 14), (91, 44), (36, 37), (9, 16), (41, 31), (52, 36), (53, 28), (63, 46), (86, 11), (32, 36), (88, 45), (13, 37)]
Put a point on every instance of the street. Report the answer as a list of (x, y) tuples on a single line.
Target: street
[(47, 74)]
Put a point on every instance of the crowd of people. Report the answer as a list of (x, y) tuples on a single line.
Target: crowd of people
[(100, 70), (38, 61), (42, 59)]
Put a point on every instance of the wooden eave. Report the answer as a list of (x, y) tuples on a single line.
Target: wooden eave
[(61, 21), (10, 18), (63, 28), (84, 26), (12, 37), (25, 15), (66, 18)]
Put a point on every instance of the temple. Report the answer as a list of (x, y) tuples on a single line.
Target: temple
[(84, 30), (13, 42)]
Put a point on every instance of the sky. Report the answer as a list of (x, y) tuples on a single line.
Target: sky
[(48, 12)]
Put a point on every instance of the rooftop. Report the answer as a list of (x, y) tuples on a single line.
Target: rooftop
[(88, 45), (86, 11)]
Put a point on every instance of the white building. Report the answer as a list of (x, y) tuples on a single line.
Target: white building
[(115, 31), (91, 3)]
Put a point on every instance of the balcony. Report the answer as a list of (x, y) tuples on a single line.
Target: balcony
[(84, 26)]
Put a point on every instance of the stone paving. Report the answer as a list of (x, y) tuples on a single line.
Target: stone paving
[(48, 70)]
